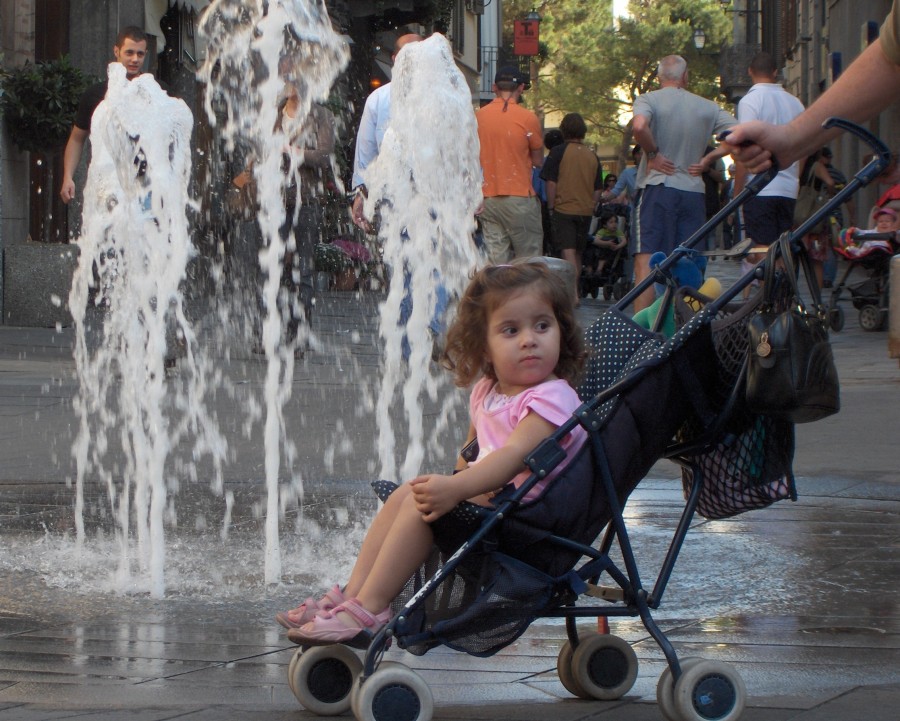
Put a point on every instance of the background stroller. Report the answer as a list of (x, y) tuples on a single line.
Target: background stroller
[(516, 568), (614, 277), (868, 254)]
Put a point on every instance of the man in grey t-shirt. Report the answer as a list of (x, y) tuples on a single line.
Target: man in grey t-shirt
[(674, 127)]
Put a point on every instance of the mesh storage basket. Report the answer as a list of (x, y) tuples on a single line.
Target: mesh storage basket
[(485, 604), (747, 465)]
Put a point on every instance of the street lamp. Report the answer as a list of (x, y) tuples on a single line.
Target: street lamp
[(699, 39), (527, 36)]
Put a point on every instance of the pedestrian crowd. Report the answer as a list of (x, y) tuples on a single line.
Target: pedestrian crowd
[(546, 193)]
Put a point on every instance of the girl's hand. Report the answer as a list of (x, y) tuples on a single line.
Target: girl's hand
[(434, 495)]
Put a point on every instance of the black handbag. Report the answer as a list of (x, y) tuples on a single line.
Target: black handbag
[(790, 370)]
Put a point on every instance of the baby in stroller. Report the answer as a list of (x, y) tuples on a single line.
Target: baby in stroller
[(516, 336), (604, 257), (871, 251)]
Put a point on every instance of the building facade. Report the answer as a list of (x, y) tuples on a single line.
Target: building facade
[(813, 41)]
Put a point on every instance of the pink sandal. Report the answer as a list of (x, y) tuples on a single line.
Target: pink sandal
[(326, 628), (306, 611)]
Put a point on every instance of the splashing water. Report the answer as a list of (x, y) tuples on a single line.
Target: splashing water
[(135, 234), (426, 186), (256, 49)]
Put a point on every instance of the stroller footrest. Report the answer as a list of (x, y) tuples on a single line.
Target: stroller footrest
[(607, 593)]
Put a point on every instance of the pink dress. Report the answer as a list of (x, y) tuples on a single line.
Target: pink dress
[(494, 417)]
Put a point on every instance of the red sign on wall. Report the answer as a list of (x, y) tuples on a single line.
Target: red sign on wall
[(527, 33)]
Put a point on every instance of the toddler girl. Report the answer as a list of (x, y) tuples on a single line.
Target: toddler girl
[(515, 332)]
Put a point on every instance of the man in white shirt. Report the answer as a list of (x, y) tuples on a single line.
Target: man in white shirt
[(771, 213), (372, 125)]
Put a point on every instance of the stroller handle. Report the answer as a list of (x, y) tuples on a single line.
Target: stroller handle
[(861, 234), (882, 158), (871, 170)]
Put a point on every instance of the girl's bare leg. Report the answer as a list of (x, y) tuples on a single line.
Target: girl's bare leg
[(374, 540), (405, 547)]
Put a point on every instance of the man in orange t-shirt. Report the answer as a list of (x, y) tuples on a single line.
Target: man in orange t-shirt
[(511, 145)]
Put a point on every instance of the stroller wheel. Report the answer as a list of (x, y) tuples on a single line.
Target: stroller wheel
[(292, 665), (393, 693), (620, 288), (710, 691), (665, 690), (322, 678), (605, 666), (836, 318), (567, 672), (607, 292), (871, 318)]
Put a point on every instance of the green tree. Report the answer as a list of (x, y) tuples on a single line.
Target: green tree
[(597, 66)]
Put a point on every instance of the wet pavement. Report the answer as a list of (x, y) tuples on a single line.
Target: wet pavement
[(800, 597)]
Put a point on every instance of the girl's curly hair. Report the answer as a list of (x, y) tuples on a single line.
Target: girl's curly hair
[(465, 352)]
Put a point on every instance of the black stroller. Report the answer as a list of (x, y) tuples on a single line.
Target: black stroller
[(518, 566), (870, 252), (613, 278)]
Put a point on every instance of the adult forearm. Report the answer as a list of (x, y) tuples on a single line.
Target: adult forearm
[(550, 187), (740, 178), (644, 136), (71, 158), (366, 152), (72, 154)]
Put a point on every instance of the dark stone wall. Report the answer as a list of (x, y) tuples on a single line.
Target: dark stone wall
[(94, 25), (38, 277)]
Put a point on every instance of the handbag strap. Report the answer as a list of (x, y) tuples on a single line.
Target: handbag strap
[(784, 247), (769, 284)]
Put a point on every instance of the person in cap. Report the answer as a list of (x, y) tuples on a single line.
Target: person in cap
[(511, 145), (885, 219)]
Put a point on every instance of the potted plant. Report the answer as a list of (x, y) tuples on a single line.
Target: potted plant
[(39, 103), (360, 265), (330, 261)]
